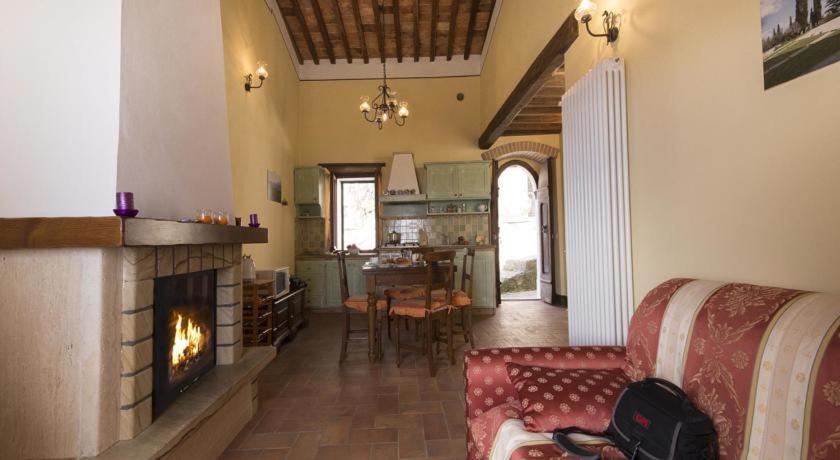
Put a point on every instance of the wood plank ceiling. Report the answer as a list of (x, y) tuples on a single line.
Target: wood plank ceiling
[(351, 30), (542, 114)]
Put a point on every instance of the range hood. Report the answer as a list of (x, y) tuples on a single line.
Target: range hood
[(403, 178)]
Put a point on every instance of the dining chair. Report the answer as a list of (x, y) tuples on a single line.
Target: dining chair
[(462, 298), (428, 310), (356, 307), (406, 292)]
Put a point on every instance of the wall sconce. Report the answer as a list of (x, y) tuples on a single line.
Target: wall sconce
[(262, 74), (584, 13)]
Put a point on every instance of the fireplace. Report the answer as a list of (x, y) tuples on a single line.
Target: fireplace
[(184, 334)]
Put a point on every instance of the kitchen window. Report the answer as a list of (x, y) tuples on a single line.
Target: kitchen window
[(355, 213)]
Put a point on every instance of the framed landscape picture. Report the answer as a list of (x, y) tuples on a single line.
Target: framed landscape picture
[(798, 37)]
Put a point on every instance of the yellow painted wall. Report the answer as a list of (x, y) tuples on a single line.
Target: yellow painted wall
[(727, 180), (518, 38), (263, 124), (440, 127)]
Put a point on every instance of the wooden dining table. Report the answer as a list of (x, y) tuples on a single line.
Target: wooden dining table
[(377, 276)]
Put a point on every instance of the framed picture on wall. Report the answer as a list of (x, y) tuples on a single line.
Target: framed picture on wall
[(798, 37), (274, 187)]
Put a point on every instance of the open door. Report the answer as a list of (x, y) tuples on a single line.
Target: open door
[(546, 231)]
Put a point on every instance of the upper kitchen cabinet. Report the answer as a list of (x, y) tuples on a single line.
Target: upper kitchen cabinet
[(310, 185), (445, 181)]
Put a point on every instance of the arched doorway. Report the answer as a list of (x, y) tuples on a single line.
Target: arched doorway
[(543, 162), (519, 247)]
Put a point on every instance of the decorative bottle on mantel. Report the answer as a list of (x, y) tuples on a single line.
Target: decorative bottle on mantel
[(249, 268)]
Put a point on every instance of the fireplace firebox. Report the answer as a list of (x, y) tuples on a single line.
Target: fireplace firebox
[(184, 334)]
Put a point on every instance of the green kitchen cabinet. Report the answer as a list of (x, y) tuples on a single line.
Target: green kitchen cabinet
[(440, 180), (446, 181), (355, 280), (333, 284), (484, 277), (312, 272), (310, 185), (323, 283)]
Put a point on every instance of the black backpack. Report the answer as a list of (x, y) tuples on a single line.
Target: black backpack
[(653, 420)]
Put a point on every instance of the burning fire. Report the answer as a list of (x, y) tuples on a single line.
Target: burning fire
[(187, 344)]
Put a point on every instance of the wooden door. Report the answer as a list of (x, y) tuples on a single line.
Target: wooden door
[(546, 232), (440, 181), (472, 180)]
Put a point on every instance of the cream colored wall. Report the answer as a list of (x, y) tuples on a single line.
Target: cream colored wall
[(59, 121), (263, 124), (727, 180), (439, 129), (173, 144)]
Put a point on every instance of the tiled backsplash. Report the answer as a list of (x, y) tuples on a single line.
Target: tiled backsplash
[(309, 236), (441, 230)]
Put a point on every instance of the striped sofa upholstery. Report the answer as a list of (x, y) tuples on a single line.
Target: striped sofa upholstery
[(762, 362)]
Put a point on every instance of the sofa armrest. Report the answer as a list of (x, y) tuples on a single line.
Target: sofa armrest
[(487, 384)]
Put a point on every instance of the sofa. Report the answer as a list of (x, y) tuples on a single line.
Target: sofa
[(762, 362)]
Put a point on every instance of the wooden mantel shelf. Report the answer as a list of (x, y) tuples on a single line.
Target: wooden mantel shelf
[(112, 232)]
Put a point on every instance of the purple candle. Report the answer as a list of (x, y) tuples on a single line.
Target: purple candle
[(125, 200), (253, 219)]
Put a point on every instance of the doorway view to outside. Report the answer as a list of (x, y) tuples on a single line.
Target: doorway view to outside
[(519, 247), (356, 213)]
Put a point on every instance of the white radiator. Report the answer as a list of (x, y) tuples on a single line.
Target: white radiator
[(598, 256)]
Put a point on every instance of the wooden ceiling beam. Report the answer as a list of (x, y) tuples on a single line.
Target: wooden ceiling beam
[(295, 46), (534, 132), (540, 71), (416, 30), (398, 30), (380, 34), (536, 110), (433, 39), (471, 28), (322, 27), (453, 20), (302, 19), (342, 31), (360, 29)]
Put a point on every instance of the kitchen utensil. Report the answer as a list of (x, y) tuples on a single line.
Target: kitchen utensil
[(394, 237)]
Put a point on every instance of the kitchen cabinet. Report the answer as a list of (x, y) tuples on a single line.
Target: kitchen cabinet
[(310, 191), (458, 180), (484, 277)]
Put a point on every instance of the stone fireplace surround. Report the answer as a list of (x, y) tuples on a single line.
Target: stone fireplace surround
[(84, 389)]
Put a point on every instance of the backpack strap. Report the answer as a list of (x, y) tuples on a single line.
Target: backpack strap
[(561, 437)]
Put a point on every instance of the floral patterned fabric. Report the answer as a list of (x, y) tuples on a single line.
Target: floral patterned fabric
[(561, 398), (721, 355), (488, 385), (824, 422), (643, 335), (553, 451), (483, 428), (360, 303), (762, 362)]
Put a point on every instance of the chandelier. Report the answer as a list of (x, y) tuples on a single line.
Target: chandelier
[(385, 105)]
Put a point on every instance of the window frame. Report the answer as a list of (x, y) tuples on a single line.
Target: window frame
[(353, 171), (339, 203)]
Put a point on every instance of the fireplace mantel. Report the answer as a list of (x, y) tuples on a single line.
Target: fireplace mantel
[(112, 232)]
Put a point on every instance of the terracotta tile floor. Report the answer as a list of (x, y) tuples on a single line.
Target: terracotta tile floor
[(311, 407)]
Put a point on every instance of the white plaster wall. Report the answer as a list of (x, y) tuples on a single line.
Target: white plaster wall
[(59, 107), (173, 143)]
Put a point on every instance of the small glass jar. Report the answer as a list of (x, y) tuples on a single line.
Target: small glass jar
[(203, 216)]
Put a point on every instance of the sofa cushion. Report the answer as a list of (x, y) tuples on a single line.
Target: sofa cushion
[(485, 427), (560, 398)]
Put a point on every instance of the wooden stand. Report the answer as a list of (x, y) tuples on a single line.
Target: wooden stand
[(270, 319)]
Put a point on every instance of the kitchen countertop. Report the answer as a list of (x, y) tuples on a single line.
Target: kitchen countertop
[(367, 255)]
